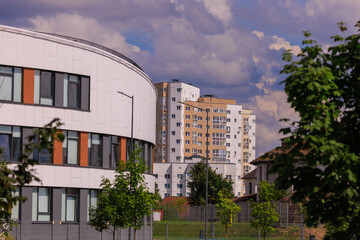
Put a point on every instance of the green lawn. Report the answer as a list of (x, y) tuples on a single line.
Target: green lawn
[(238, 231)]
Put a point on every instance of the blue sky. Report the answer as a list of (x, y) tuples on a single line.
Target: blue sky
[(229, 48)]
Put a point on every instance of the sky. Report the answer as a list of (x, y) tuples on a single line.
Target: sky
[(228, 48)]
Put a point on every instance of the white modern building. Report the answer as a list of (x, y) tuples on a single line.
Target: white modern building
[(43, 76), (181, 128)]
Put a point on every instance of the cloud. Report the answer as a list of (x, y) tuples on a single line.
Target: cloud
[(85, 28), (282, 44)]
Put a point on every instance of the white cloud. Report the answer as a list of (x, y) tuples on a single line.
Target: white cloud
[(259, 34), (220, 9), (280, 43), (86, 28)]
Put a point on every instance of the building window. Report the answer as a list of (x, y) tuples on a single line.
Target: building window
[(239, 112), (228, 177), (167, 185), (179, 176), (187, 141), (45, 84), (167, 176), (178, 124), (173, 116), (187, 150), (166, 194), (43, 156), (94, 150), (178, 158), (187, 125), (188, 194), (92, 201), (156, 176), (228, 112), (187, 116), (179, 194), (187, 108), (70, 205), (178, 107), (199, 134), (41, 204), (10, 142), (10, 84), (178, 89), (178, 141), (71, 147), (73, 91), (16, 207), (173, 150), (187, 133), (173, 133), (199, 151), (173, 99), (115, 152), (179, 185)]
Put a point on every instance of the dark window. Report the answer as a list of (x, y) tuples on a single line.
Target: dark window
[(43, 156), (70, 205), (94, 146), (10, 142), (250, 188), (74, 91), (47, 88), (115, 152), (71, 147)]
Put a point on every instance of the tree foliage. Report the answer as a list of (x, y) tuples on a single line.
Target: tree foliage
[(264, 212), (321, 154), (226, 211), (11, 178), (125, 201), (217, 183)]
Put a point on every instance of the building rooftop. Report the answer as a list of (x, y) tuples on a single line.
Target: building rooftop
[(251, 174)]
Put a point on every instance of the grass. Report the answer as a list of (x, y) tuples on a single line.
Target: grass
[(238, 231)]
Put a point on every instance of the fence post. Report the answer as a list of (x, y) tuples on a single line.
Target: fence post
[(167, 231), (287, 214), (302, 227), (280, 214)]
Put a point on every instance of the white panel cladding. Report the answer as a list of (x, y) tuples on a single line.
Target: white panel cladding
[(76, 177), (109, 112), (252, 134), (187, 93)]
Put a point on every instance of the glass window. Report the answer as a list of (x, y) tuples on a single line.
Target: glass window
[(15, 210), (43, 156), (70, 147), (41, 206), (92, 201), (73, 91), (94, 150), (69, 205), (10, 83), (10, 142), (115, 152), (47, 87)]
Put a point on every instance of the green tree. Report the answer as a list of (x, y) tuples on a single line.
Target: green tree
[(320, 157), (226, 211), (125, 201), (264, 211), (217, 184), (11, 178)]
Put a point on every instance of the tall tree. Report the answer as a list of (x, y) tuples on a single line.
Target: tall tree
[(217, 183), (11, 178), (226, 211), (125, 201), (321, 154), (264, 212)]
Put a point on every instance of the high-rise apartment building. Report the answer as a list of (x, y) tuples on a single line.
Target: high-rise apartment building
[(182, 128)]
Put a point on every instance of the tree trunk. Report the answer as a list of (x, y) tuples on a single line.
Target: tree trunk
[(264, 235), (226, 231), (134, 234)]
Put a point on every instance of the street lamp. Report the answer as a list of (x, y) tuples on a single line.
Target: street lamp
[(132, 139), (207, 163), (132, 118)]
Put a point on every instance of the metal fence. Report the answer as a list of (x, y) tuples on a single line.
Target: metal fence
[(289, 214)]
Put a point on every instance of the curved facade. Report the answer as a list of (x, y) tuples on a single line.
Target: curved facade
[(43, 76)]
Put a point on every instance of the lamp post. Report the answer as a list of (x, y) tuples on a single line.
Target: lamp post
[(132, 137), (207, 164), (132, 118)]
